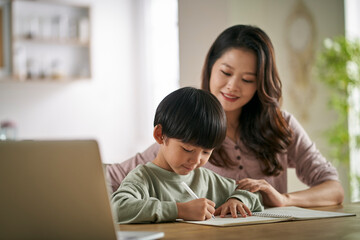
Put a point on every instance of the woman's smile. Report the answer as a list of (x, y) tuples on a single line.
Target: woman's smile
[(229, 97)]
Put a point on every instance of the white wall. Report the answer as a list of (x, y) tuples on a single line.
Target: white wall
[(99, 108), (102, 108), (200, 21)]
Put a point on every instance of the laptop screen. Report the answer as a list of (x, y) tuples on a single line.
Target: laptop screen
[(53, 190)]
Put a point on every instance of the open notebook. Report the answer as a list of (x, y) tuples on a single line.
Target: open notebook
[(56, 190), (270, 215)]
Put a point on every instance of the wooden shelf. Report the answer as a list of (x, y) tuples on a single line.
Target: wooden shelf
[(49, 39), (52, 41), (43, 80)]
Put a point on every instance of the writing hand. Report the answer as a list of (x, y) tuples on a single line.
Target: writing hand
[(196, 210), (271, 197), (233, 206)]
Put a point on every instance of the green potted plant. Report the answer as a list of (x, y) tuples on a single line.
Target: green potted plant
[(338, 66)]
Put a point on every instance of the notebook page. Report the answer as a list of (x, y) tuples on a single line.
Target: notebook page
[(271, 215), (300, 213), (230, 221)]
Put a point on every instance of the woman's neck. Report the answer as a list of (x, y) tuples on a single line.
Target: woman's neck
[(232, 125)]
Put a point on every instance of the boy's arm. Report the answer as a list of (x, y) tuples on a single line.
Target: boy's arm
[(196, 210), (221, 186), (252, 200), (243, 203), (132, 204)]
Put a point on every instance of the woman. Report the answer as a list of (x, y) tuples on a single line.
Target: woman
[(262, 141)]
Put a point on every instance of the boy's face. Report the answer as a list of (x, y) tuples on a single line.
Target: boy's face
[(179, 157)]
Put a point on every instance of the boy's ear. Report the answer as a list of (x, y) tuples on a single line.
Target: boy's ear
[(159, 137)]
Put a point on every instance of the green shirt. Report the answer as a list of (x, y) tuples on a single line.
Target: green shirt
[(149, 193)]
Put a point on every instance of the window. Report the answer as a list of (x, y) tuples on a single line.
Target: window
[(352, 27)]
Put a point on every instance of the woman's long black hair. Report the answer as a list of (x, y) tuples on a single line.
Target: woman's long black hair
[(262, 128)]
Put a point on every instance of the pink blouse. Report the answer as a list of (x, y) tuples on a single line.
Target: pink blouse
[(311, 167)]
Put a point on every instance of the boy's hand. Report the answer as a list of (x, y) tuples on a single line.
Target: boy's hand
[(233, 206), (196, 210)]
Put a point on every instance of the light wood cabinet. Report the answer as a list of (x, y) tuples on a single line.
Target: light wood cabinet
[(50, 41)]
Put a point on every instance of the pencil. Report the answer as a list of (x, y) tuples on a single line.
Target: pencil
[(191, 192)]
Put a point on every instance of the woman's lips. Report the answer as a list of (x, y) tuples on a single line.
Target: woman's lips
[(229, 97)]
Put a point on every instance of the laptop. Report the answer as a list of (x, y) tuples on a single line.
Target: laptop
[(56, 190)]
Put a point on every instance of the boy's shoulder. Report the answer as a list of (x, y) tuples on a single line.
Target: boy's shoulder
[(207, 173), (139, 173), (203, 171)]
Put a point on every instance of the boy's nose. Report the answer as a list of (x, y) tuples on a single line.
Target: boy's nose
[(196, 158)]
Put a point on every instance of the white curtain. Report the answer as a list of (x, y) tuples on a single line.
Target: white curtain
[(352, 22), (155, 63)]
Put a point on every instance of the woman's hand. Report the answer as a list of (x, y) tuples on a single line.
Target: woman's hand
[(324, 194), (233, 206), (271, 197)]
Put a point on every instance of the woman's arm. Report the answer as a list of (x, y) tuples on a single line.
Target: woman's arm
[(324, 194), (327, 193), (313, 169)]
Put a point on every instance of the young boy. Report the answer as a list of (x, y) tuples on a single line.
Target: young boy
[(189, 123)]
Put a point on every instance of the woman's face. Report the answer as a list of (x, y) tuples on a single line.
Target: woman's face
[(233, 79)]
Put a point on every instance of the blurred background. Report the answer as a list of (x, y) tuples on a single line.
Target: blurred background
[(97, 69)]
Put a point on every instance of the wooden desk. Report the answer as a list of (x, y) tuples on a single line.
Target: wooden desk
[(347, 228)]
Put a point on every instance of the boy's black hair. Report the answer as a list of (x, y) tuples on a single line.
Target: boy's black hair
[(192, 116)]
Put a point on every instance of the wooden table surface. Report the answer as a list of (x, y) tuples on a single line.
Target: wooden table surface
[(347, 228)]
